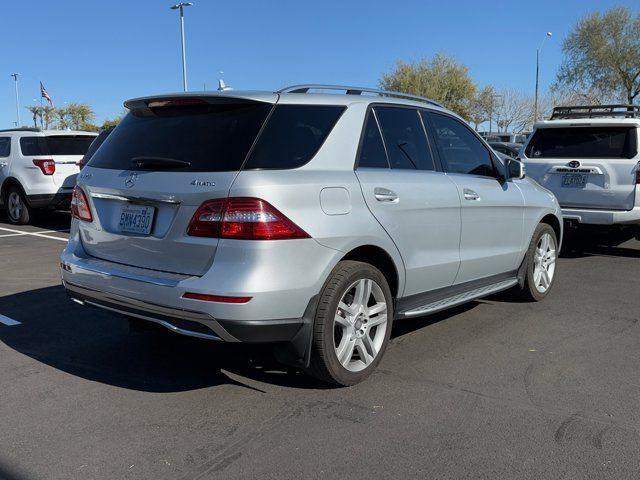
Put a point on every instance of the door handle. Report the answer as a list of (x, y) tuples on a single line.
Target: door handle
[(470, 194), (385, 195), (3, 164)]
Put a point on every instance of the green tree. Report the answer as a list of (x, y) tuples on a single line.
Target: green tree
[(79, 115), (602, 53), (36, 111), (442, 79)]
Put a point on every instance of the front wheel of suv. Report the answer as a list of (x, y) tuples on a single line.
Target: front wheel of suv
[(352, 324), (16, 206), (541, 264)]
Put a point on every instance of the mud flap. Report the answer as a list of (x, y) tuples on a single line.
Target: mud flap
[(297, 352)]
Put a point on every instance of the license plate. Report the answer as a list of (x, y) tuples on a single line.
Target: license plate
[(136, 219), (574, 180)]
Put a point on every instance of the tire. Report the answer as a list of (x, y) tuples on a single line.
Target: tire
[(343, 324), (540, 268), (16, 207)]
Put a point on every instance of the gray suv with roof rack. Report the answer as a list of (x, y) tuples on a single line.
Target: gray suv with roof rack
[(311, 218), (588, 157)]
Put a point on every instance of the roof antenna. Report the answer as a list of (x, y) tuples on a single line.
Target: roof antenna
[(222, 87)]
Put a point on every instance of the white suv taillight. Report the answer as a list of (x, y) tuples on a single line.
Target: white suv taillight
[(243, 219), (47, 166), (80, 206), (638, 174)]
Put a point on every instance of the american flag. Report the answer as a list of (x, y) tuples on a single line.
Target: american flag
[(45, 94)]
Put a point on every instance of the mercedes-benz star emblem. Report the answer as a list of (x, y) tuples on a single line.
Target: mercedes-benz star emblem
[(574, 164), (131, 180)]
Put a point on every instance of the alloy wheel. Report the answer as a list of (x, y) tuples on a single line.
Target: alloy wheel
[(360, 324), (544, 262), (14, 206)]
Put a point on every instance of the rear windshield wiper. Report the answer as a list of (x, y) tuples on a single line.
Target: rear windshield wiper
[(159, 162)]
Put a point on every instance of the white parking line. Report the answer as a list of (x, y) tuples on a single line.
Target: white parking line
[(9, 322), (20, 232)]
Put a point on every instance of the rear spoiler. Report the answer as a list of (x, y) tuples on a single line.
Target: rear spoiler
[(211, 98)]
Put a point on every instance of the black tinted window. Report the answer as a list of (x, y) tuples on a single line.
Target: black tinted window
[(293, 135), (461, 150), (404, 138), (210, 137), (99, 140), (5, 146), (583, 142), (372, 153), (55, 145)]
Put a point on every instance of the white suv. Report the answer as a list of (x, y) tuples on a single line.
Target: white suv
[(588, 157), (37, 169)]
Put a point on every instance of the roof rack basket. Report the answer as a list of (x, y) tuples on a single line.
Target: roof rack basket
[(357, 91), (596, 111)]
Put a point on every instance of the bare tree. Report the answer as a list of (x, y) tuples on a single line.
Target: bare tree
[(513, 110)]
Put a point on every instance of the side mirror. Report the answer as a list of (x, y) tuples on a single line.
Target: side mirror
[(515, 169)]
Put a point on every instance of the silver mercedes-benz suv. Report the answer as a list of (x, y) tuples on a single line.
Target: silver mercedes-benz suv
[(309, 220)]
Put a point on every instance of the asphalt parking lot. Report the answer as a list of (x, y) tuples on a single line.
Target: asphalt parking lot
[(493, 389)]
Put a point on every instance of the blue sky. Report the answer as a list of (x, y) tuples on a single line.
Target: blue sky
[(103, 52)]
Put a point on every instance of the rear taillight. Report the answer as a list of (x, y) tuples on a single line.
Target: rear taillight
[(79, 205), (80, 163), (47, 166), (243, 219), (638, 174)]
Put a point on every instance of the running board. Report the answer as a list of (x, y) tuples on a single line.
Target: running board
[(459, 298)]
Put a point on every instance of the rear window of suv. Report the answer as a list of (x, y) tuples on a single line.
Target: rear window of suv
[(55, 145), (218, 137), (583, 142), (209, 137)]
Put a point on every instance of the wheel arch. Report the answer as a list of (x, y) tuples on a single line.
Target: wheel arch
[(8, 182), (379, 258), (553, 221)]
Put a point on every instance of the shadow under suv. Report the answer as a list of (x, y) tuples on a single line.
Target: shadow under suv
[(309, 220)]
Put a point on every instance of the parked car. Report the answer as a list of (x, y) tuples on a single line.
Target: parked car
[(588, 157), (102, 136), (309, 220), (510, 149), (37, 169)]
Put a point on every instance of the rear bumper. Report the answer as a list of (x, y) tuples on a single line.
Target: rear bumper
[(60, 200), (603, 217), (187, 322)]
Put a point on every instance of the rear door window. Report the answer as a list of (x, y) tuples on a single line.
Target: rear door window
[(460, 149), (211, 138), (583, 142), (372, 152), (405, 138), (5, 146), (293, 135), (55, 145)]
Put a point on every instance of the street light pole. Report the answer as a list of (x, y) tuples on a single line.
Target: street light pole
[(15, 78), (180, 6), (535, 102)]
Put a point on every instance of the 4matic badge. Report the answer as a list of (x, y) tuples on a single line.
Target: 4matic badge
[(202, 183)]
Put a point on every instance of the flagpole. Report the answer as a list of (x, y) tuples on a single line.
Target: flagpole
[(41, 111)]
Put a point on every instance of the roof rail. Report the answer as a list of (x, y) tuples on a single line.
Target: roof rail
[(21, 129), (596, 111), (357, 91)]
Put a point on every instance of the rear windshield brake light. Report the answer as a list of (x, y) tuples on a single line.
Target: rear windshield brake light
[(175, 102)]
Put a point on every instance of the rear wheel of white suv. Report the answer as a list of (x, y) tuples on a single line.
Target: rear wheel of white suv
[(352, 324), (16, 206), (541, 264)]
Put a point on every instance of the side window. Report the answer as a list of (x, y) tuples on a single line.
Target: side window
[(460, 149), (293, 135), (372, 153), (5, 146), (404, 138)]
